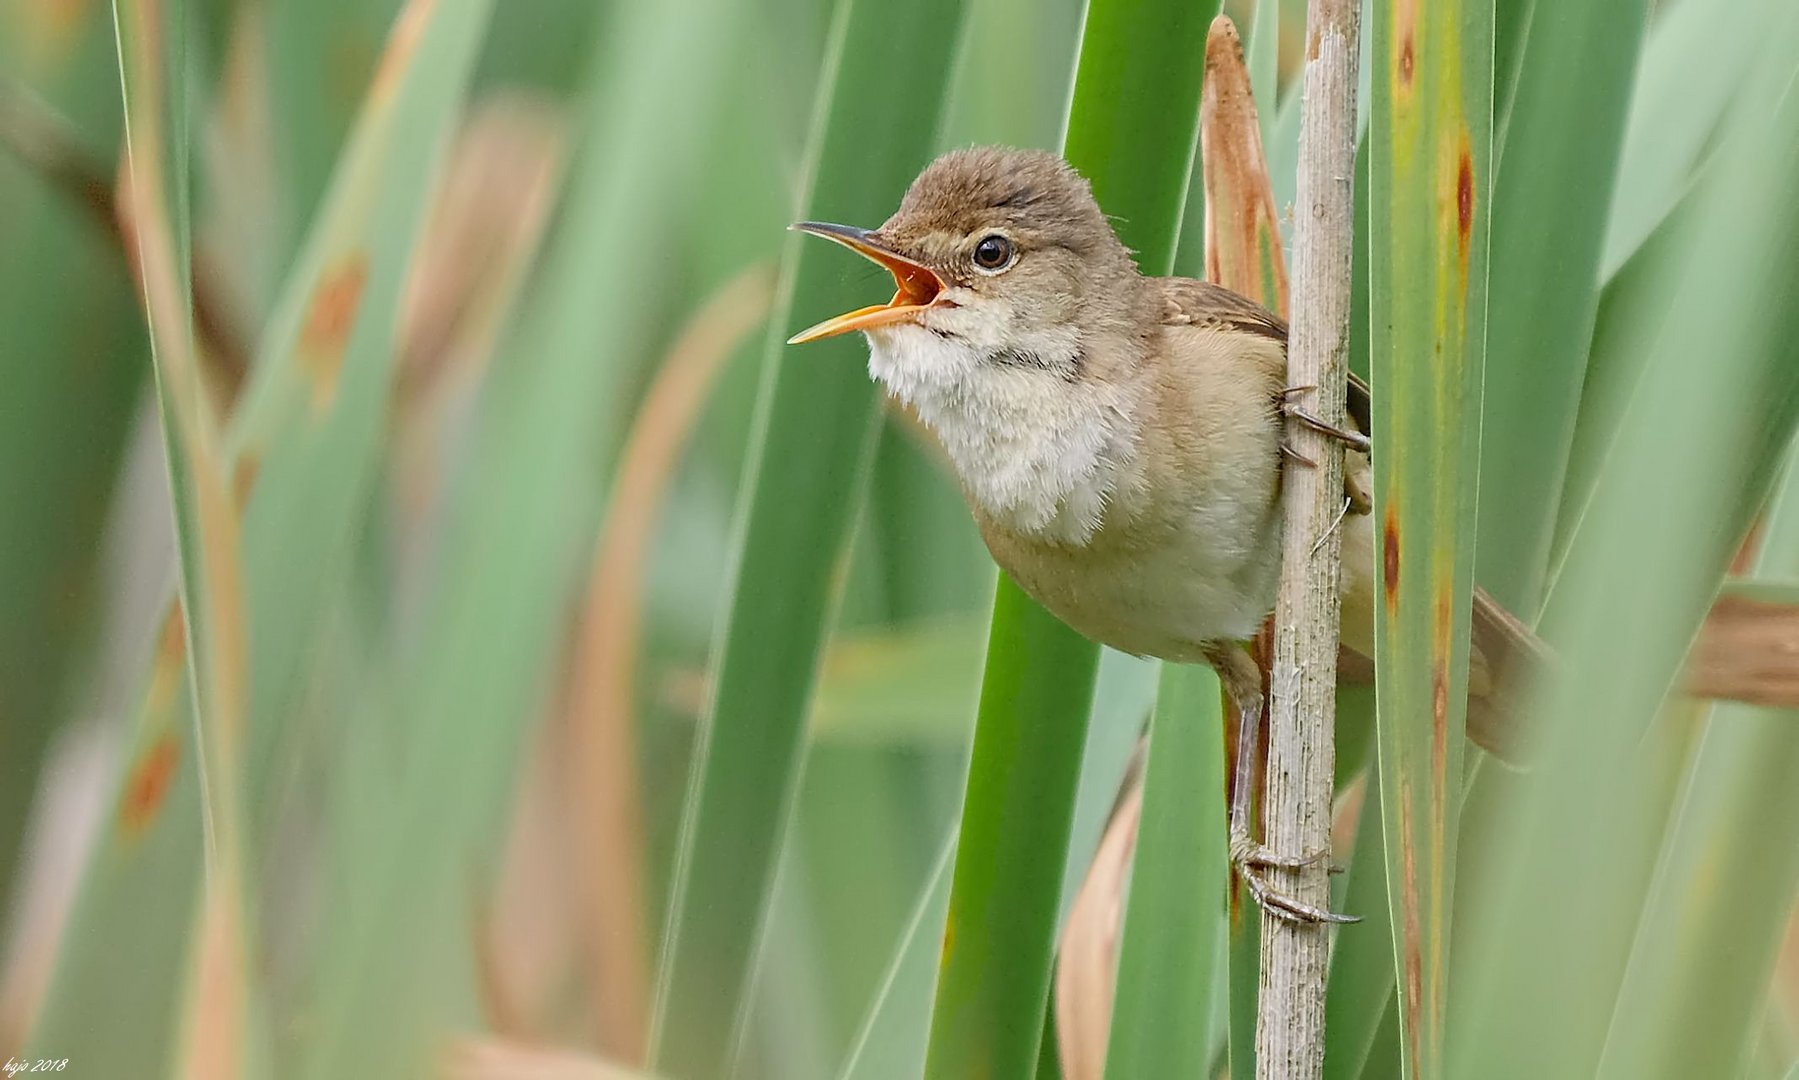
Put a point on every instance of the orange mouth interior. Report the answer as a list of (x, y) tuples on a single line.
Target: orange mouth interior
[(918, 286)]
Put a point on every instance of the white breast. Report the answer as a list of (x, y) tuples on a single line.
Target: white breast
[(1059, 461), (1040, 452)]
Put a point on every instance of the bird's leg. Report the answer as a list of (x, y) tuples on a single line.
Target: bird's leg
[(1355, 440), (1250, 858)]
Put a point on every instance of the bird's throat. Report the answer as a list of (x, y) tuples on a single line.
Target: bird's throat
[(1038, 450)]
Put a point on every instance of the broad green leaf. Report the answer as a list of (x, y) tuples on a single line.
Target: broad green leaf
[(1245, 959), (1430, 142), (1512, 22), (1692, 65)]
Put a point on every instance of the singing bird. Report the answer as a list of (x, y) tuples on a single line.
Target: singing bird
[(1118, 437)]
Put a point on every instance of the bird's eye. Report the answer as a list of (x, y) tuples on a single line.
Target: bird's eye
[(993, 253)]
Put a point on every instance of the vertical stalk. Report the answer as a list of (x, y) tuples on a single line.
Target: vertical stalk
[(1290, 1029)]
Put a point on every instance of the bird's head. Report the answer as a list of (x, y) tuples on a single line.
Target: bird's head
[(1001, 257)]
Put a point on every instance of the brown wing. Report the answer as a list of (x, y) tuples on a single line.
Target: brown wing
[(1201, 303)]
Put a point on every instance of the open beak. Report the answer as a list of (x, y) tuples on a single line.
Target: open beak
[(919, 287)]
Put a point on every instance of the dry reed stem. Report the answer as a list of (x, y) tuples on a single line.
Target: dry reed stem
[(1297, 812)]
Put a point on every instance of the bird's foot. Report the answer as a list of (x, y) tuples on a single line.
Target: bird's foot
[(1249, 859), (1355, 440), (1297, 456)]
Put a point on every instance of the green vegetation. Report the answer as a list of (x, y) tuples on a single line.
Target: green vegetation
[(445, 632)]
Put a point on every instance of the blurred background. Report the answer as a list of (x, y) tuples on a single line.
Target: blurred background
[(483, 298)]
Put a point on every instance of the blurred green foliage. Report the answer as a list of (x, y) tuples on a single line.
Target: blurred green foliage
[(475, 313)]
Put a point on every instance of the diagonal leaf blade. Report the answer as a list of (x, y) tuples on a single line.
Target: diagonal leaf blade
[(1550, 206)]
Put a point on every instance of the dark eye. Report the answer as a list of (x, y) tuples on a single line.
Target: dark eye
[(993, 252)]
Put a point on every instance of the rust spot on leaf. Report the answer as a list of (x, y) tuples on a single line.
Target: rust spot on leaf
[(1405, 33), (949, 939), (329, 321), (243, 478), (1389, 550), (1442, 629), (171, 644), (1464, 194), (1439, 716), (147, 788), (169, 664), (51, 29), (333, 312), (1412, 947)]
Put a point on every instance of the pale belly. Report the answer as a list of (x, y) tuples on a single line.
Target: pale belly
[(1163, 598)]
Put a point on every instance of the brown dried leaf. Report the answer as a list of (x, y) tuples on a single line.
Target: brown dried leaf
[(499, 183), (1748, 651), (487, 219), (1087, 962), (1243, 243)]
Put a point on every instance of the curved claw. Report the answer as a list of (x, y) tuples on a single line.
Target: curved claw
[(1355, 440), (1249, 857)]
